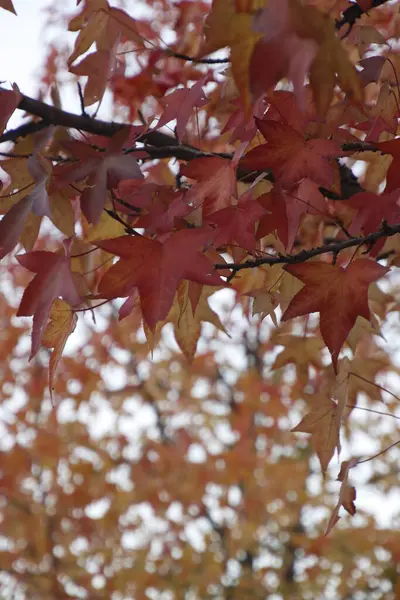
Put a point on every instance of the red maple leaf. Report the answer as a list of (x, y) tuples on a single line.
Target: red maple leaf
[(286, 208), (156, 268), (102, 169), (53, 280), (284, 55), (13, 223), (371, 211), (291, 157), (160, 206), (179, 106), (393, 175), (339, 294), (216, 183), (235, 224)]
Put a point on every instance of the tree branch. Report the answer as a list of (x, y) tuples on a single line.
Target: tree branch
[(354, 12), (202, 61), (334, 248)]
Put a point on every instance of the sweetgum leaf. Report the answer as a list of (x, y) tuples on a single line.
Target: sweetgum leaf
[(322, 423), (62, 323), (291, 157), (339, 295), (156, 268), (8, 5), (53, 279)]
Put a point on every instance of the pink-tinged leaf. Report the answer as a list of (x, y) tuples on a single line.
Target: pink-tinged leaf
[(180, 105), (281, 52), (12, 225), (243, 127), (339, 295), (235, 224), (293, 58), (372, 68), (156, 269), (393, 175), (102, 170), (162, 207), (371, 211), (9, 100), (14, 221), (291, 157), (40, 169), (286, 208), (216, 183), (53, 279), (273, 20)]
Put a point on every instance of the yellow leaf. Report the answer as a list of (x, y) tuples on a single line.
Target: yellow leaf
[(106, 228), (62, 323), (331, 64), (62, 214), (31, 231), (225, 26)]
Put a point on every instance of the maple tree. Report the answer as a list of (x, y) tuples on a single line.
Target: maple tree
[(208, 273)]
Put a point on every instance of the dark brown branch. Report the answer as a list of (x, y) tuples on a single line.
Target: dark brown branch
[(334, 248), (156, 143), (202, 61), (354, 12)]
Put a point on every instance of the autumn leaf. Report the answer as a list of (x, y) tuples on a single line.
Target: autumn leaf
[(180, 105), (339, 295), (291, 157), (101, 169), (62, 323), (265, 303), (302, 352), (285, 209), (227, 26), (235, 224), (297, 39), (323, 425), (99, 22), (98, 67), (393, 175), (156, 268), (216, 183), (14, 223), (187, 319), (347, 494), (8, 5), (9, 100), (371, 210), (53, 279)]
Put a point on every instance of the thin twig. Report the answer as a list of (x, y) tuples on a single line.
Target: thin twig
[(335, 248)]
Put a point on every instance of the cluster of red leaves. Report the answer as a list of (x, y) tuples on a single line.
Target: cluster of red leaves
[(164, 244)]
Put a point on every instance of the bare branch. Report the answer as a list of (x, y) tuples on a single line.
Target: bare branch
[(334, 248)]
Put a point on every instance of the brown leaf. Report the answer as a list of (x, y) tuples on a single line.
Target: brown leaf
[(322, 423), (347, 494)]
